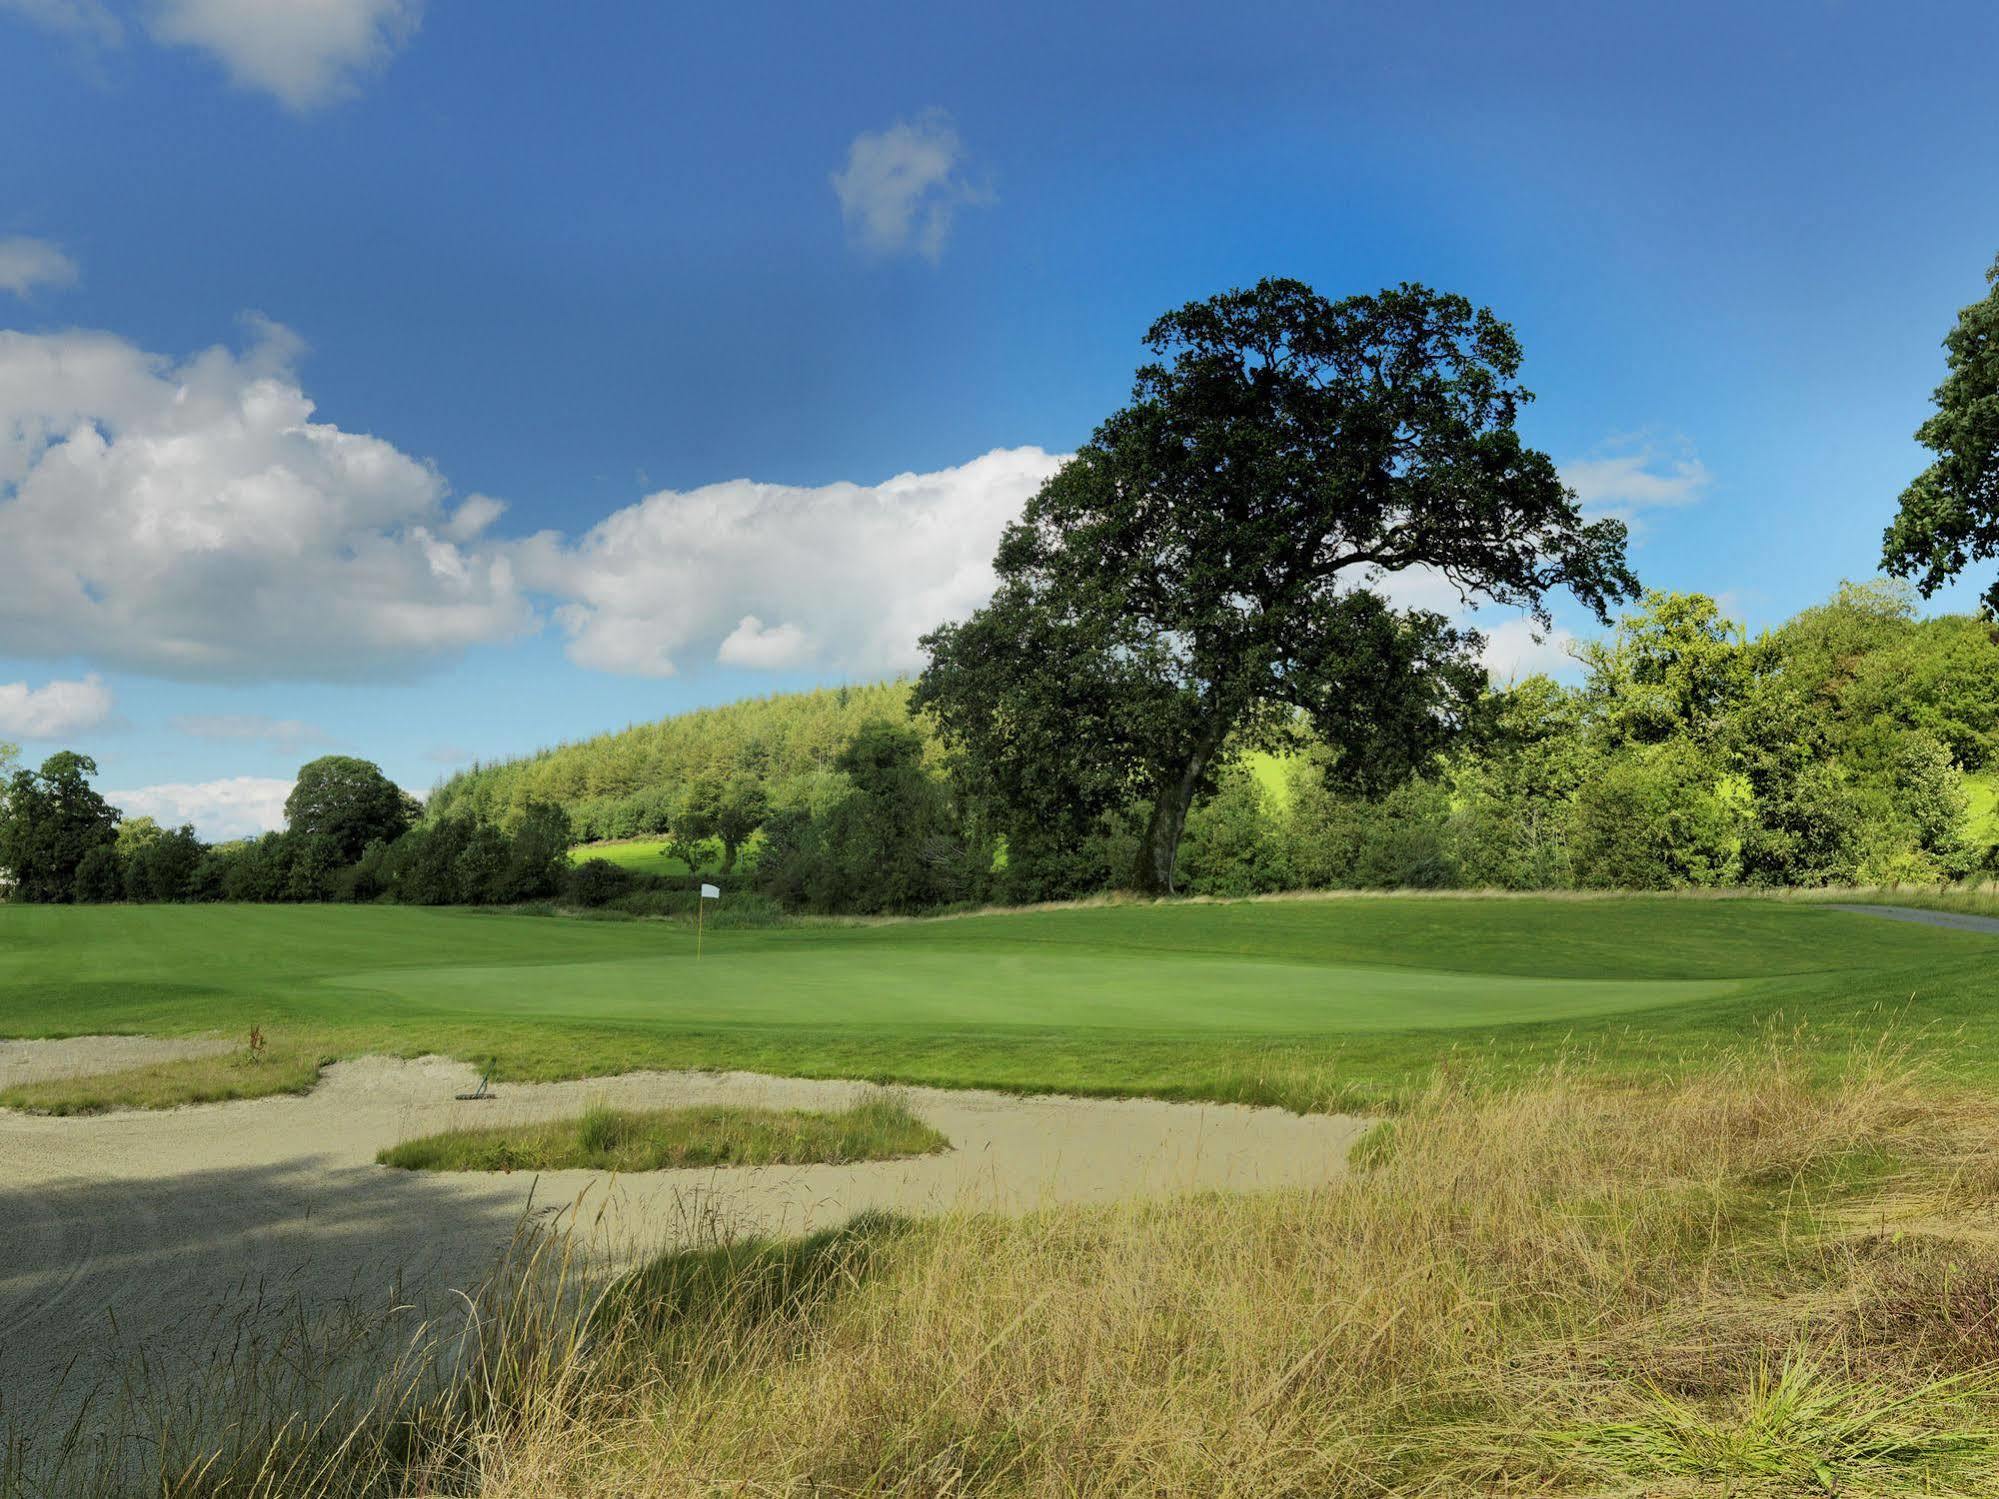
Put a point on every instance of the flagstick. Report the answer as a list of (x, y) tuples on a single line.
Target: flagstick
[(700, 910)]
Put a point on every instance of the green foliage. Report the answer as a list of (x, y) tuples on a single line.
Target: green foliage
[(161, 866), (1197, 581), (887, 843), (628, 784), (349, 803), (101, 876), (1656, 820), (50, 822), (1950, 515)]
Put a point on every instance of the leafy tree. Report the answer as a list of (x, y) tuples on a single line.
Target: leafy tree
[(1199, 578), (1676, 667), (51, 821), (1950, 516), (538, 853), (100, 878), (887, 845), (161, 866), (349, 803), (1656, 820), (740, 809), (1232, 844)]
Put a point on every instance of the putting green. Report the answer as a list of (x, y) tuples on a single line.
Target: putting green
[(1310, 1003), (895, 987)]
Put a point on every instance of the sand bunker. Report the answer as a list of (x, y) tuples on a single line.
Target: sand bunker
[(175, 1223), (82, 1056)]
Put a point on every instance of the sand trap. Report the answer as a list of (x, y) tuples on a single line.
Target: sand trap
[(192, 1224), (83, 1056)]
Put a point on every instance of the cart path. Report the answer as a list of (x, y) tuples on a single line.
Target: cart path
[(1959, 920)]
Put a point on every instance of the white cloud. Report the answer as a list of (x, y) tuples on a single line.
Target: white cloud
[(84, 20), (850, 574), (55, 710), (303, 52), (1517, 648), (28, 263), (287, 736), (193, 521), (754, 644), (449, 754), (1631, 475), (901, 186), (237, 807)]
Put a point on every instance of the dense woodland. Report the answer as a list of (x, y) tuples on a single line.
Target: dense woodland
[(1188, 679)]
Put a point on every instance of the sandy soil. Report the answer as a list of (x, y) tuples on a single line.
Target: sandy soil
[(209, 1226), (80, 1056)]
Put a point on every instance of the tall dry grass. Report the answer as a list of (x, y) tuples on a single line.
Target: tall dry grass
[(1743, 1281)]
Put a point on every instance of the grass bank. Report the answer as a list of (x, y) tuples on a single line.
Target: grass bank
[(1749, 1280), (603, 1139)]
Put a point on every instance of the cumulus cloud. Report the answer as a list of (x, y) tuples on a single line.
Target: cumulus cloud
[(287, 736), (902, 186), (194, 521), (53, 711), (1630, 475), (236, 807), (839, 577), (28, 263), (304, 53)]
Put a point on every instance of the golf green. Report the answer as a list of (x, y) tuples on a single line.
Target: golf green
[(1272, 1000)]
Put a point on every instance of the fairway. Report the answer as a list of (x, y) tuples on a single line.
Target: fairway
[(1261, 1001)]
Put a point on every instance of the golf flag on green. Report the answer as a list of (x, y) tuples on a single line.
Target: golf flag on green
[(708, 893)]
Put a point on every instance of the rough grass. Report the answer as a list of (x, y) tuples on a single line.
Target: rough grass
[(290, 1067), (877, 1128), (1745, 1282)]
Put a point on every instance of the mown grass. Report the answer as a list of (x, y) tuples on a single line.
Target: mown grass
[(1311, 1003), (604, 1139), (1746, 1280)]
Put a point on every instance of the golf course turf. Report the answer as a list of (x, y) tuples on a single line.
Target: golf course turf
[(1333, 1003)]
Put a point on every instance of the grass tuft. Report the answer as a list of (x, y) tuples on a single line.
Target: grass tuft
[(268, 1070), (879, 1127)]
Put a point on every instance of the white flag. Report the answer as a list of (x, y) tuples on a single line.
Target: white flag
[(711, 892)]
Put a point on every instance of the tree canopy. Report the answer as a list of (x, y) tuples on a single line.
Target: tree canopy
[(1949, 516), (1205, 575), (349, 803), (52, 820)]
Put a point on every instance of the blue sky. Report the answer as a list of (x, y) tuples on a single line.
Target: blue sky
[(379, 374)]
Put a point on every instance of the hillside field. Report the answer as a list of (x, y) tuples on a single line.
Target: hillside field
[(1308, 1003)]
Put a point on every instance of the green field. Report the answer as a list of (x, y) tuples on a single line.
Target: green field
[(1310, 1003), (644, 855)]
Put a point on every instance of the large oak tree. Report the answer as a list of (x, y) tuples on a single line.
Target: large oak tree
[(1950, 515), (1205, 574)]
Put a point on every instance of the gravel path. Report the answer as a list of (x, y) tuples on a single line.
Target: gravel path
[(1957, 919), (233, 1225)]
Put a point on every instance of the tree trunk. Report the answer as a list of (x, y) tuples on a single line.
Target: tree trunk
[(1160, 851)]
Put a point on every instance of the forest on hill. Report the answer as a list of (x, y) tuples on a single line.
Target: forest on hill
[(1856, 743)]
